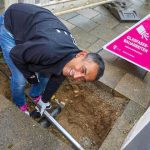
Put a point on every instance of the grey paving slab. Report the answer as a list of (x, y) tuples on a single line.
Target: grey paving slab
[(68, 24), (130, 68), (122, 126), (88, 12), (109, 57), (112, 75), (133, 112), (141, 9), (104, 33), (4, 103), (134, 3), (97, 45), (68, 15), (147, 78), (82, 44), (114, 139), (102, 10), (20, 132), (106, 21), (135, 89), (83, 22), (81, 35), (121, 27)]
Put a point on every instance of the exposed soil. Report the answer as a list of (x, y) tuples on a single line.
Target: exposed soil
[(89, 113)]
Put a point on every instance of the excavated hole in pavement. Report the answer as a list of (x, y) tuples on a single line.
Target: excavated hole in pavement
[(89, 113)]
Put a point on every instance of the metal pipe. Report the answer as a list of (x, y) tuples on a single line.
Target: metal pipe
[(54, 3), (63, 131), (82, 7)]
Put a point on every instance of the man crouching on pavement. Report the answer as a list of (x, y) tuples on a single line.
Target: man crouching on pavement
[(38, 48)]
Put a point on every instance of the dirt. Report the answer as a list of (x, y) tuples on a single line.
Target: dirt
[(89, 113)]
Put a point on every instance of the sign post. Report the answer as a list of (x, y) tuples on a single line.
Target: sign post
[(134, 44)]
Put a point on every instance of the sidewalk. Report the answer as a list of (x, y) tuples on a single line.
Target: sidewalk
[(20, 132)]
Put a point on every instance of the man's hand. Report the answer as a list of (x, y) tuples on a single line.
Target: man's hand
[(33, 79)]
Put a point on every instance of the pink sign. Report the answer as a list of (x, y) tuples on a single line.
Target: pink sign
[(134, 44)]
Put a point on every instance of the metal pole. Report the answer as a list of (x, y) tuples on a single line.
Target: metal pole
[(82, 7), (63, 131)]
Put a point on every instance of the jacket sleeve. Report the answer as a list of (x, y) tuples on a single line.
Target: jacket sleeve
[(31, 53), (52, 86)]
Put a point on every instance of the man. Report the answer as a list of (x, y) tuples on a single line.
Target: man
[(39, 49)]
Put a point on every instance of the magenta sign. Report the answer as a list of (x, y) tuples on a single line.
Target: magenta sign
[(134, 44)]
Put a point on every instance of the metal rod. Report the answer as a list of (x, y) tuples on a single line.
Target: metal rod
[(82, 7), (63, 131)]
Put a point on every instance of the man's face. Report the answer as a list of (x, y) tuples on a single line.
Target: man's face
[(79, 69)]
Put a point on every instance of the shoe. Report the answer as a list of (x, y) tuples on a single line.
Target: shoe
[(36, 99), (43, 106), (24, 109)]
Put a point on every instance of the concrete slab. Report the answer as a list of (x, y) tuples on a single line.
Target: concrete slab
[(83, 38), (89, 13), (106, 21), (141, 9), (102, 10), (133, 112), (135, 89), (147, 78), (20, 132), (121, 27), (109, 57), (104, 33), (97, 46), (83, 22), (112, 75), (68, 25), (4, 104), (68, 16), (130, 68), (122, 126)]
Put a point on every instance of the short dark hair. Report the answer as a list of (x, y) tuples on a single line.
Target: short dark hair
[(99, 61)]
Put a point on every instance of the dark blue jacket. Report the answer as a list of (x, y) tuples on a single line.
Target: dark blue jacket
[(43, 43)]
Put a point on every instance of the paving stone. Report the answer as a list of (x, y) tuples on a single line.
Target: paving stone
[(109, 57), (130, 68), (97, 45), (134, 3), (102, 10), (81, 35), (68, 15), (104, 33), (133, 112), (121, 27), (142, 10), (89, 13), (4, 103), (106, 21), (112, 75), (20, 132), (122, 127), (135, 89), (83, 22), (68, 25), (147, 78), (114, 140)]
